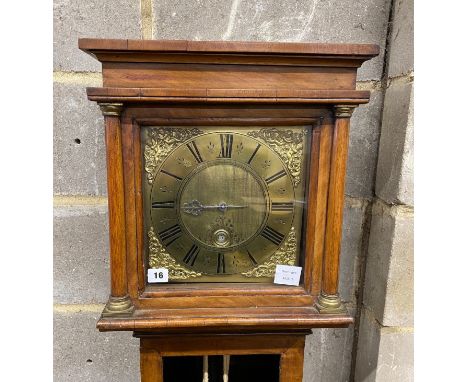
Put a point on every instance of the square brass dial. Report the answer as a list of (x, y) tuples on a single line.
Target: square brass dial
[(223, 204)]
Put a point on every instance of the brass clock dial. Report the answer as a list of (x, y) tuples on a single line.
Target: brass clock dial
[(219, 205)]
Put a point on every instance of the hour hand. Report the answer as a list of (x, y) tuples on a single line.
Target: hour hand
[(196, 208), (193, 208)]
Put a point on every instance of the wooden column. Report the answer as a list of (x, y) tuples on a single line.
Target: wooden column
[(292, 363), (119, 302), (329, 301), (151, 365)]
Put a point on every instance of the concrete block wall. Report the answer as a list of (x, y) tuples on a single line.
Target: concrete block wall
[(81, 263), (385, 341), (81, 260)]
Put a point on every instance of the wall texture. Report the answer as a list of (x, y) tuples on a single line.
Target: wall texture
[(376, 266)]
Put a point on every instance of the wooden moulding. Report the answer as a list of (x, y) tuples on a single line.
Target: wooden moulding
[(228, 52), (182, 83), (226, 320), (186, 95), (216, 67), (363, 51)]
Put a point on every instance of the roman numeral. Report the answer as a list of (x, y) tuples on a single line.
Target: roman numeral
[(252, 259), (276, 176), (282, 206), (171, 234), (194, 150), (163, 204), (168, 173), (221, 268), (274, 236), (226, 145), (255, 152), (191, 255)]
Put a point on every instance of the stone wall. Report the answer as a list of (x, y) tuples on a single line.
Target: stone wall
[(378, 213), (385, 343)]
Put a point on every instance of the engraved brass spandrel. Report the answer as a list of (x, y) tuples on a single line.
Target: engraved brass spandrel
[(160, 143), (288, 144)]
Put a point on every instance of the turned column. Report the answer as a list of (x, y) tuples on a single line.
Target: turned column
[(119, 302), (329, 301)]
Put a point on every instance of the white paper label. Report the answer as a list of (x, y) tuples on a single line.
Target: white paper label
[(158, 275), (287, 275)]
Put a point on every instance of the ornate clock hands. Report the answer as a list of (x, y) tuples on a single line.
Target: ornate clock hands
[(193, 208), (196, 208)]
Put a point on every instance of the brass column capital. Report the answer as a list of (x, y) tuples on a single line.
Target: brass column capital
[(344, 111), (111, 109)]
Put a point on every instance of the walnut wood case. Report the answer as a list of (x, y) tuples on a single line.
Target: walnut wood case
[(183, 83)]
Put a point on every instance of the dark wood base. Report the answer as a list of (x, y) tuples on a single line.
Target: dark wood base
[(154, 347)]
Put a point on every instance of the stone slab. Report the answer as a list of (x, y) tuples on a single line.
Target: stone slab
[(360, 21), (79, 151), (81, 254), (394, 179), (384, 354), (389, 289), (367, 350), (406, 189), (92, 19), (353, 220), (401, 58), (396, 356), (327, 355), (363, 147), (83, 354)]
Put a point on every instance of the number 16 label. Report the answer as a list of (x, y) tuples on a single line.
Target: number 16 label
[(158, 275)]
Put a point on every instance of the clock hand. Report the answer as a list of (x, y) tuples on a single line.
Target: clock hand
[(196, 208), (223, 206)]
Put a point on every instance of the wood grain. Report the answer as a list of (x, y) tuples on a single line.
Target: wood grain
[(339, 154), (226, 320), (292, 362), (317, 204), (116, 205), (137, 165), (190, 95), (219, 344), (131, 209), (148, 75), (323, 168), (321, 49), (151, 365)]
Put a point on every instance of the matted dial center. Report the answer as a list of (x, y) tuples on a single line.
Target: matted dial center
[(222, 204)]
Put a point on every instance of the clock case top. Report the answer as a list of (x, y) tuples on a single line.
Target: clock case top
[(197, 83)]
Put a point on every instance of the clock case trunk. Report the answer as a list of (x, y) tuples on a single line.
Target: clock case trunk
[(180, 83)]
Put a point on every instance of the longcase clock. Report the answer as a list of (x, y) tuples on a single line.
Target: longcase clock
[(226, 166)]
